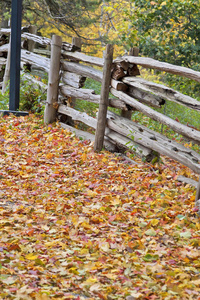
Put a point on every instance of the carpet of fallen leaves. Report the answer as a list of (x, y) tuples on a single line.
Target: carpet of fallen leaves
[(75, 224)]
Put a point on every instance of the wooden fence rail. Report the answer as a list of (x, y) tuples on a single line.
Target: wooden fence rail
[(130, 93)]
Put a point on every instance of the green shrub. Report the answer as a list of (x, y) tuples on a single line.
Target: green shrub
[(32, 99), (4, 100)]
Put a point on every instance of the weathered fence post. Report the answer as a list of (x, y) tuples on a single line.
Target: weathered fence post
[(7, 69), (197, 198), (31, 44), (76, 41), (103, 105), (53, 80), (134, 51)]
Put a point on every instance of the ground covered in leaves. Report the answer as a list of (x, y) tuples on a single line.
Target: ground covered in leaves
[(75, 224)]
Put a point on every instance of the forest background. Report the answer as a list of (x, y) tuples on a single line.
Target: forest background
[(165, 30)]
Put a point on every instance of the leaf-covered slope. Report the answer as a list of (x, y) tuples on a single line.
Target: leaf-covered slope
[(80, 225)]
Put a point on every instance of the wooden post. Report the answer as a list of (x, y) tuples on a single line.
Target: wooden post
[(134, 51), (7, 70), (103, 105), (76, 41), (53, 81), (197, 192), (31, 44), (128, 114), (197, 198)]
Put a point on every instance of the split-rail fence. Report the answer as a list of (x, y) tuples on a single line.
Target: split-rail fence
[(68, 69)]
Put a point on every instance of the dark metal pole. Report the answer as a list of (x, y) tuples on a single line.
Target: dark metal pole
[(16, 21)]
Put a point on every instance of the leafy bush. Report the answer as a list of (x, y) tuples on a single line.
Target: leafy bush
[(31, 97), (4, 100)]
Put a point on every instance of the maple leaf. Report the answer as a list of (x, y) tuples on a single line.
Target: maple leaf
[(76, 224)]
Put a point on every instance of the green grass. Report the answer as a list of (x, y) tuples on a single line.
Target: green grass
[(89, 107), (185, 86), (173, 110)]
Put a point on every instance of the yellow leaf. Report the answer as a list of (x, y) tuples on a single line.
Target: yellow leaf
[(91, 193), (84, 156), (49, 244), (90, 281), (198, 226), (109, 289), (84, 251), (41, 297), (85, 225), (31, 256), (182, 276), (73, 270), (74, 220), (154, 222), (111, 276)]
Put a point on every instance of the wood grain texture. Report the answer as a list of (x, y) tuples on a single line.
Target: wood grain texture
[(151, 63), (184, 130), (103, 105), (162, 91)]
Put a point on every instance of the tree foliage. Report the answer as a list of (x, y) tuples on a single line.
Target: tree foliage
[(63, 14), (168, 30)]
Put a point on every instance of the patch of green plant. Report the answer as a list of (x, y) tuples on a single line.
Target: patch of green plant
[(182, 114), (93, 85), (115, 110), (32, 99), (140, 118), (184, 85), (4, 100), (85, 106), (88, 107)]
